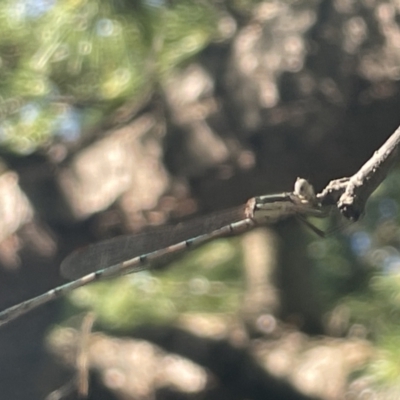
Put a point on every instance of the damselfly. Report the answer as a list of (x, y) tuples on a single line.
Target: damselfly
[(133, 253)]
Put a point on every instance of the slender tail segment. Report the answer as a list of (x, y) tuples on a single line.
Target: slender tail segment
[(135, 264), (259, 210)]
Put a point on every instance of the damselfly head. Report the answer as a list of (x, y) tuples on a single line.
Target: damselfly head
[(304, 190)]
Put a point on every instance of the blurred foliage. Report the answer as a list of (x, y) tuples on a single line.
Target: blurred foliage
[(385, 369), (58, 56), (356, 271), (372, 303), (66, 64), (375, 242), (207, 280)]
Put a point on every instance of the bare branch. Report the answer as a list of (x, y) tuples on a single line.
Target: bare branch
[(351, 194)]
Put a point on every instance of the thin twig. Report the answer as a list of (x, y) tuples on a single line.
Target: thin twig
[(351, 194), (82, 358)]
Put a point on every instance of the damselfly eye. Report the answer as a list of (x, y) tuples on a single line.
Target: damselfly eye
[(304, 189)]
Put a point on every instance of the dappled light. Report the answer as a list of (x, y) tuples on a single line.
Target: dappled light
[(137, 137), (15, 208), (202, 282), (124, 163), (132, 367), (84, 53)]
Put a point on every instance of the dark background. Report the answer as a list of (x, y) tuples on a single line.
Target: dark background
[(117, 115)]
